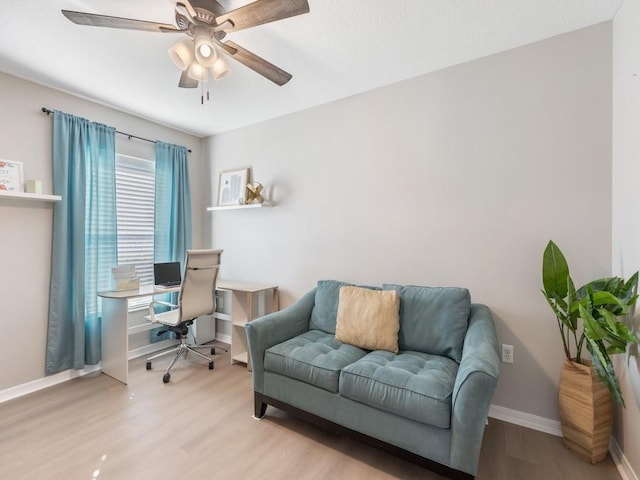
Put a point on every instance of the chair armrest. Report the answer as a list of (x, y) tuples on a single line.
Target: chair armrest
[(152, 312), (475, 383), (275, 328)]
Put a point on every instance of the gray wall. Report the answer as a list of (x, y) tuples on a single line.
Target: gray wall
[(626, 222), (25, 242), (459, 177)]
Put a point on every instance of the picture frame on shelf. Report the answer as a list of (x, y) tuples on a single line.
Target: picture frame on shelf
[(232, 187), (11, 176)]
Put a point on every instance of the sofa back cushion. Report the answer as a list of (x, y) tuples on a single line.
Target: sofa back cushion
[(325, 309), (433, 319)]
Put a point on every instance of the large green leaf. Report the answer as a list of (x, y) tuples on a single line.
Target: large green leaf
[(602, 299), (572, 317), (554, 271), (617, 349), (628, 291), (610, 320), (626, 333), (592, 328), (604, 368)]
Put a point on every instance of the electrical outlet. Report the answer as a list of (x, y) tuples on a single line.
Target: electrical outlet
[(507, 353)]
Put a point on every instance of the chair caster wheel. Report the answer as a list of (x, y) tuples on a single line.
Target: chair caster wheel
[(210, 365), (148, 365), (166, 377)]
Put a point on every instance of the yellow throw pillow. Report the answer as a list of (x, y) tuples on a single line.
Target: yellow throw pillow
[(368, 318)]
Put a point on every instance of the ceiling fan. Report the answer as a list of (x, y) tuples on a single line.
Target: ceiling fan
[(206, 24)]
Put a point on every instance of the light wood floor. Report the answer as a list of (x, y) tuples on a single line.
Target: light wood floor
[(200, 426)]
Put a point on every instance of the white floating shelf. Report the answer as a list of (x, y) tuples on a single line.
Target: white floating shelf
[(41, 197), (238, 207)]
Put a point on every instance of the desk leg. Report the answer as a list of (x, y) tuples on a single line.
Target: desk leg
[(240, 315), (249, 318), (115, 338), (275, 306)]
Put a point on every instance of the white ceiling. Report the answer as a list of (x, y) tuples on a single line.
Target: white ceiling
[(340, 48)]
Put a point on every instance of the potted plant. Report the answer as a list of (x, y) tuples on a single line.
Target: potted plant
[(588, 317)]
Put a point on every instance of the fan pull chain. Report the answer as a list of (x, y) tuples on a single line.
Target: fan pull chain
[(202, 92)]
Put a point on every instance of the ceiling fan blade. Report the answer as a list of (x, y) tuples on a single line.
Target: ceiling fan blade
[(186, 81), (185, 8), (262, 11), (255, 63), (95, 20)]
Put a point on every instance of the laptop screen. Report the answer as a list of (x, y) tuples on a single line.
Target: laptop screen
[(166, 274)]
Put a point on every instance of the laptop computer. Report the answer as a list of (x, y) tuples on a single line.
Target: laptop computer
[(166, 274)]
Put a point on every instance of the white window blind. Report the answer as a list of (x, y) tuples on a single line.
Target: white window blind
[(135, 187)]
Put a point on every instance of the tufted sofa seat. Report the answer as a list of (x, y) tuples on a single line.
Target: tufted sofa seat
[(428, 401)]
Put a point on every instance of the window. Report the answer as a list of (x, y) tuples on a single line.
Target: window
[(135, 191)]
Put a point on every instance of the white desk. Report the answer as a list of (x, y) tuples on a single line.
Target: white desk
[(115, 328), (115, 321)]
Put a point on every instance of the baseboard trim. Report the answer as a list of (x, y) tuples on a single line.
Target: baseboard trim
[(622, 464), (528, 420), (45, 382)]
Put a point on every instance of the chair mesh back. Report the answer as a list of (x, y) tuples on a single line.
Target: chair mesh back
[(197, 293)]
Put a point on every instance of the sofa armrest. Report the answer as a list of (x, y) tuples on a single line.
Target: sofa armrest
[(275, 328), (475, 383)]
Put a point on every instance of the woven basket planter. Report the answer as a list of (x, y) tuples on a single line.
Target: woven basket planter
[(585, 411)]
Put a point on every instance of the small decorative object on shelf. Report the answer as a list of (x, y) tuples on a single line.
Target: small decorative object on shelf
[(33, 186), (11, 179), (254, 192)]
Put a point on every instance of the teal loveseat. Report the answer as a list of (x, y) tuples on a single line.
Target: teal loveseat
[(427, 403)]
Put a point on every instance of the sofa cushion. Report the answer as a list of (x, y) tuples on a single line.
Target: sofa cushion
[(368, 318), (314, 357), (413, 385), (433, 319), (325, 309)]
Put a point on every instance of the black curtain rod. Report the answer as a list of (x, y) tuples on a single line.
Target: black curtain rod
[(49, 112)]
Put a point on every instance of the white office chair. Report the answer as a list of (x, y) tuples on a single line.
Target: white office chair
[(196, 298)]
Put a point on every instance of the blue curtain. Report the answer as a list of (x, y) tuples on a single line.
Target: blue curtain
[(173, 204), (172, 234), (84, 239)]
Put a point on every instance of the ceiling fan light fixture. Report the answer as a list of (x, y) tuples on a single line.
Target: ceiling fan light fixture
[(198, 72), (182, 54), (205, 51), (220, 69)]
